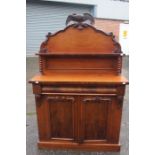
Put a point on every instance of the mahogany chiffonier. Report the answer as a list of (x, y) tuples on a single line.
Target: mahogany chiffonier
[(79, 91)]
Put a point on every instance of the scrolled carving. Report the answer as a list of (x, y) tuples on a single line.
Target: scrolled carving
[(80, 26), (61, 98), (95, 99), (43, 48), (38, 99), (112, 35), (117, 46), (48, 35)]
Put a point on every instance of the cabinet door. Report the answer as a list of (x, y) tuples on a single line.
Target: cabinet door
[(62, 111), (57, 118), (95, 115)]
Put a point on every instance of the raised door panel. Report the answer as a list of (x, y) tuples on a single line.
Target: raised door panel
[(94, 116), (100, 119), (62, 120)]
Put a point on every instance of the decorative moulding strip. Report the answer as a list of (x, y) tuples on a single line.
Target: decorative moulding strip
[(81, 94), (96, 99), (80, 68), (80, 54), (61, 98)]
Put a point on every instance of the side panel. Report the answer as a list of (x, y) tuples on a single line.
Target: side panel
[(42, 108)]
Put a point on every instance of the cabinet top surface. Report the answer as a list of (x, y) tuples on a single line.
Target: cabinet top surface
[(79, 78)]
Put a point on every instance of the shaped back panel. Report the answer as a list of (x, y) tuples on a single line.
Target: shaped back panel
[(83, 40)]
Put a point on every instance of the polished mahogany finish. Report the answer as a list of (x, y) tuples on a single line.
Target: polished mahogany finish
[(79, 91)]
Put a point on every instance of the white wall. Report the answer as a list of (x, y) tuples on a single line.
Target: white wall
[(124, 38), (105, 8)]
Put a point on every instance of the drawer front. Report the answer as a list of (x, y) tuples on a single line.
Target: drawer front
[(79, 89)]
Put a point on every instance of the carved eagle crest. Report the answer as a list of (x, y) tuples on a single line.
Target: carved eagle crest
[(80, 19)]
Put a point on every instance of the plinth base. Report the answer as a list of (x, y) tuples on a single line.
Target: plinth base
[(77, 146)]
